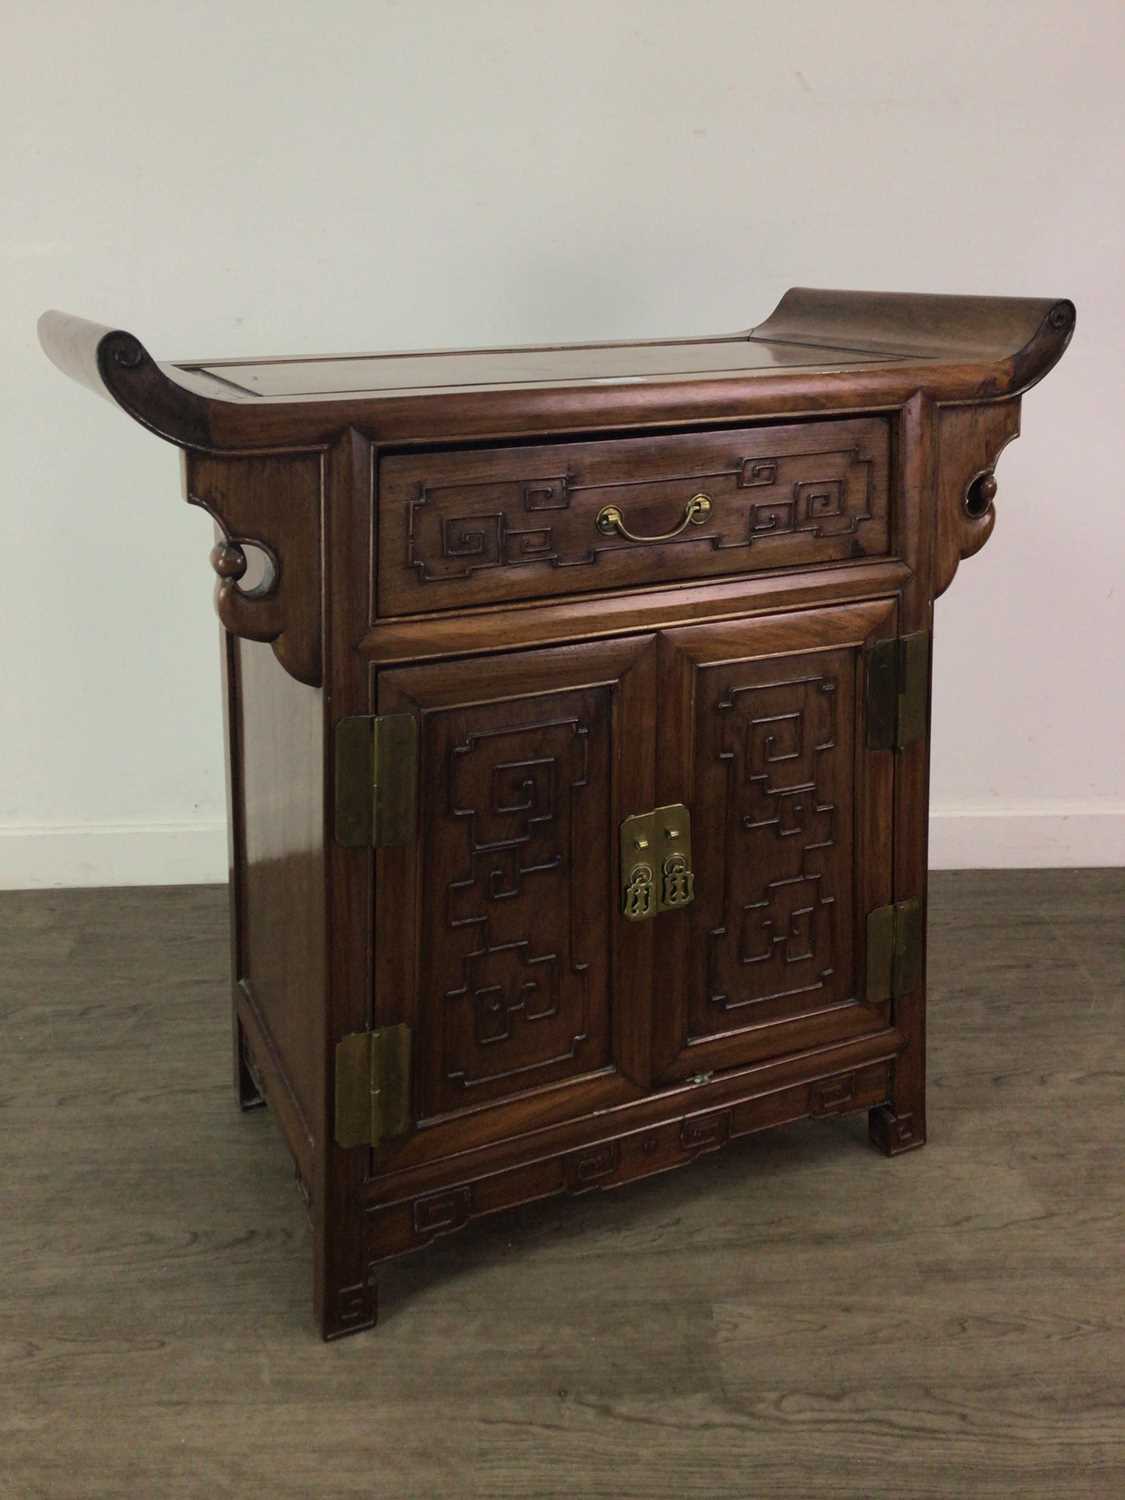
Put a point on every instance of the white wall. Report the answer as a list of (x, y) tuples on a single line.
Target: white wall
[(265, 177)]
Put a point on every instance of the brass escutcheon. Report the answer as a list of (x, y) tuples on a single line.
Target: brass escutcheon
[(656, 873)]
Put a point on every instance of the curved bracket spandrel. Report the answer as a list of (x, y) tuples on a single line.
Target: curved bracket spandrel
[(267, 510)]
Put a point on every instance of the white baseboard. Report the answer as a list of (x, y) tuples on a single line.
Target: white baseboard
[(1027, 836), (33, 855), (962, 837)]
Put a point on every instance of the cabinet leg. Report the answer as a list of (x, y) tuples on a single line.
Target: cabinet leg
[(900, 1124), (344, 1290), (247, 1092), (893, 1133), (349, 1309)]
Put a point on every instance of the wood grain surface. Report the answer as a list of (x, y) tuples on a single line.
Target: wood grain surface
[(819, 350), (795, 1316)]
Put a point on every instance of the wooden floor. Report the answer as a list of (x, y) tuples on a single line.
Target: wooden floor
[(796, 1316)]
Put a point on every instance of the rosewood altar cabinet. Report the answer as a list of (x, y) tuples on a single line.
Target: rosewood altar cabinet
[(577, 734)]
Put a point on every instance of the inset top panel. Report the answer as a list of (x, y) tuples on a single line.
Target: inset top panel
[(367, 374)]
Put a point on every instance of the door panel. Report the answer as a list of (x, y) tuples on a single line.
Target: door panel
[(765, 741), (498, 927)]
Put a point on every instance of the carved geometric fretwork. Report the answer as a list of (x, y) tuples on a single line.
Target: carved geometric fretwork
[(626, 1156), (456, 530), (504, 980), (545, 494), (495, 934), (520, 1003), (473, 540), (485, 525), (757, 471), (816, 506), (354, 1306), (591, 1166), (487, 538), (439, 1213), (706, 1132), (778, 741), (895, 1133)]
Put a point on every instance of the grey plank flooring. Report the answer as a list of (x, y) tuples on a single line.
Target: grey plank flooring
[(794, 1317)]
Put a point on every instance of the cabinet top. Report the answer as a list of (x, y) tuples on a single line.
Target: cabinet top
[(818, 351)]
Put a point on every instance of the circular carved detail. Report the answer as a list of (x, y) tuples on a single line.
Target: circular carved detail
[(228, 560), (980, 495), (1059, 317), (127, 352)]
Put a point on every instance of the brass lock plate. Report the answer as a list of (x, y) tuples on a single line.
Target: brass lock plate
[(656, 868)]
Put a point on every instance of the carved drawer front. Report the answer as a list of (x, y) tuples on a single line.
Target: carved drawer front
[(489, 525)]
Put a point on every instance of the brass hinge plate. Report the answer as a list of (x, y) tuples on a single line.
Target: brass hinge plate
[(656, 868), (894, 951), (373, 1085), (898, 675), (376, 784)]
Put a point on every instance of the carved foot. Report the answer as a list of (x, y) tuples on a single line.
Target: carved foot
[(351, 1310), (247, 1088), (893, 1134)]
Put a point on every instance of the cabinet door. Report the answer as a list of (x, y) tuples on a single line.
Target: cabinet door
[(496, 935), (764, 734)]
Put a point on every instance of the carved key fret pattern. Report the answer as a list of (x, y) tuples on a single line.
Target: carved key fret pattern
[(818, 506), (485, 538), (456, 530), (511, 954), (786, 826)]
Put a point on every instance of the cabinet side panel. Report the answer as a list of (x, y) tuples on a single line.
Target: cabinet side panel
[(280, 857)]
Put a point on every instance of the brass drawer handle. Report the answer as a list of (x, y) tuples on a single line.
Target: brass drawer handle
[(610, 520)]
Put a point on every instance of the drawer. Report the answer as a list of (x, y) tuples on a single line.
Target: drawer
[(490, 525)]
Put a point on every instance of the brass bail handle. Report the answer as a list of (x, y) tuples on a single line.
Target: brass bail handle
[(609, 520)]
